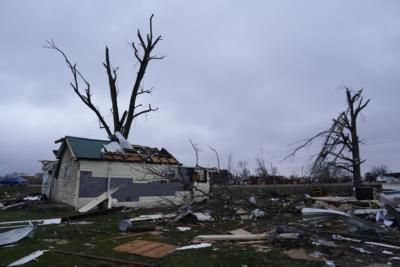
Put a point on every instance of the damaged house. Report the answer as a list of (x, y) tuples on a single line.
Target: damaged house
[(134, 176)]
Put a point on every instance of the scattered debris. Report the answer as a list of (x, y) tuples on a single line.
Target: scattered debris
[(300, 254), (231, 237)]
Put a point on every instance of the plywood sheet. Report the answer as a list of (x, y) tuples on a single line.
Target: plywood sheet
[(146, 248)]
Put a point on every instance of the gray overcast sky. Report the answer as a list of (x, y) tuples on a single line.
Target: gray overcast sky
[(239, 75)]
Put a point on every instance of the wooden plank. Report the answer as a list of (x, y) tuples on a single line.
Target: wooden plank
[(146, 248), (97, 200)]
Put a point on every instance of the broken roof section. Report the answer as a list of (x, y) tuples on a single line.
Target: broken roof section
[(93, 149)]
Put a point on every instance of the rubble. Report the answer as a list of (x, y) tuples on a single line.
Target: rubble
[(330, 230)]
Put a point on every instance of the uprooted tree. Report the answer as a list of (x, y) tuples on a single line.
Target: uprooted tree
[(143, 52), (341, 145)]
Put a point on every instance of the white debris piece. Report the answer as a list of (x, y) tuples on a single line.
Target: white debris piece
[(361, 250), (253, 200), (196, 246), (184, 229), (330, 264), (113, 147), (15, 235), (380, 215), (151, 217), (257, 213), (50, 221), (388, 222), (202, 217), (122, 141), (33, 198), (28, 258)]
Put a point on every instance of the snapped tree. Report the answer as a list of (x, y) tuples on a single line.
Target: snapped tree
[(143, 52), (341, 145)]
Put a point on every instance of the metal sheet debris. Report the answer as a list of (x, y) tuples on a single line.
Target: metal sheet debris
[(15, 235), (28, 258)]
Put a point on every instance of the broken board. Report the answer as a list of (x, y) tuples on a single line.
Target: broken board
[(98, 200), (146, 248)]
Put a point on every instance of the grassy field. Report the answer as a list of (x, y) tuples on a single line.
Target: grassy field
[(94, 239)]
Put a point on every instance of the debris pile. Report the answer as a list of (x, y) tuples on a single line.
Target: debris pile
[(332, 230)]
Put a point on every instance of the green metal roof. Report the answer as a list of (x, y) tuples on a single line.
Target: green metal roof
[(84, 148)]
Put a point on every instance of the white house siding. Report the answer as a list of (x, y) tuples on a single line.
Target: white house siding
[(137, 173), (66, 184)]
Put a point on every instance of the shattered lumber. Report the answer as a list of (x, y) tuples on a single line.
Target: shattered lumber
[(101, 258)]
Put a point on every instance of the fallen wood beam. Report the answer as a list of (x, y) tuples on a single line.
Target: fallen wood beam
[(101, 258), (90, 205), (231, 237)]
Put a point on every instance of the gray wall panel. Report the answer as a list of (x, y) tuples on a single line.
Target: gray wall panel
[(93, 186)]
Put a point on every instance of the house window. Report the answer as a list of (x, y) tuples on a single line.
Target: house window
[(67, 171)]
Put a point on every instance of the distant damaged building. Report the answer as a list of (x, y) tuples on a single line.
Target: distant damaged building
[(140, 176)]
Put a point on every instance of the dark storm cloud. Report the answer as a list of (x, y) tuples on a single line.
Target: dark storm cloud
[(237, 76)]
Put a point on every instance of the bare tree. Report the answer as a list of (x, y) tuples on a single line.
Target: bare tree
[(229, 165), (261, 168), (273, 170), (243, 169), (379, 170), (196, 150), (143, 54), (216, 154), (340, 147)]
